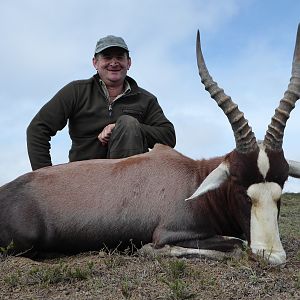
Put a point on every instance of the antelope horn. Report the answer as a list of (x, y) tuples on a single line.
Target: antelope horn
[(244, 137), (274, 135)]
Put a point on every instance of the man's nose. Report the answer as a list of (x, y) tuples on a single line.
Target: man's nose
[(114, 61)]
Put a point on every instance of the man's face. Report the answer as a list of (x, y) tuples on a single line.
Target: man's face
[(112, 65)]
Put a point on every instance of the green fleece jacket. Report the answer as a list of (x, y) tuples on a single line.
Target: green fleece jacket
[(83, 105)]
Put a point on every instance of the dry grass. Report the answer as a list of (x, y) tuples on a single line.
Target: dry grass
[(117, 276)]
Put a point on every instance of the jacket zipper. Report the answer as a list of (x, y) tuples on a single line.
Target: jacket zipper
[(110, 109), (110, 105)]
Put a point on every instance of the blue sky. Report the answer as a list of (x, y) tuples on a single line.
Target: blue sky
[(248, 47)]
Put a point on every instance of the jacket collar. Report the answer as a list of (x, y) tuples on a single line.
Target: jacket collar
[(133, 84)]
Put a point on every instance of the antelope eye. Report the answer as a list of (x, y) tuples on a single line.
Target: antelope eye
[(249, 199)]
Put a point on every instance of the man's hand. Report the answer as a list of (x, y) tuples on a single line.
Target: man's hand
[(106, 133)]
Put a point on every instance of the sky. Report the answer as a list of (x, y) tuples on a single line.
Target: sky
[(248, 47)]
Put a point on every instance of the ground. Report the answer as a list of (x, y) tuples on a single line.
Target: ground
[(111, 275)]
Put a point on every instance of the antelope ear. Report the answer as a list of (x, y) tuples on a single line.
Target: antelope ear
[(294, 168), (212, 181)]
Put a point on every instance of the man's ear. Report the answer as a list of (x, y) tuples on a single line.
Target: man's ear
[(129, 63), (94, 60)]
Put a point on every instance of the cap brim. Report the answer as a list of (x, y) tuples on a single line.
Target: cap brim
[(110, 46)]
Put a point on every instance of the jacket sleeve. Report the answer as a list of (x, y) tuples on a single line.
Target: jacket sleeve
[(156, 127), (53, 116)]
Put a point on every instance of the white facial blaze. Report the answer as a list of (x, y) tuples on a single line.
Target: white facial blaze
[(263, 162), (264, 233)]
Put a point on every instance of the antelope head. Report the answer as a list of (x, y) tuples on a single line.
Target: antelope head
[(256, 170)]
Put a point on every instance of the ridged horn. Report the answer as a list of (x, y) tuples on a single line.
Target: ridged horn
[(244, 137), (274, 135)]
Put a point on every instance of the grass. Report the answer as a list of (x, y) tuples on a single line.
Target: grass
[(50, 275), (179, 290), (289, 220), (174, 270), (4, 251), (127, 287)]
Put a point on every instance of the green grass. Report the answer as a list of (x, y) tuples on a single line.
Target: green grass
[(289, 219), (50, 275)]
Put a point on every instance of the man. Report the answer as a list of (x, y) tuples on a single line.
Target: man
[(109, 115)]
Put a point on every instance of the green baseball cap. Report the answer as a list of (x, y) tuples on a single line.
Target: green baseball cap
[(110, 41)]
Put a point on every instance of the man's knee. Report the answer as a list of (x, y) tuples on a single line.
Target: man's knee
[(127, 138), (127, 127), (127, 121)]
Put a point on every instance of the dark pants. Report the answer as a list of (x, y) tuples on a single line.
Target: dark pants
[(126, 139)]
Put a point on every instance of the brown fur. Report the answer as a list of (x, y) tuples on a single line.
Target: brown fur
[(85, 205)]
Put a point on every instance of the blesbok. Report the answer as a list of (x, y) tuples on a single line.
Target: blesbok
[(138, 200)]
